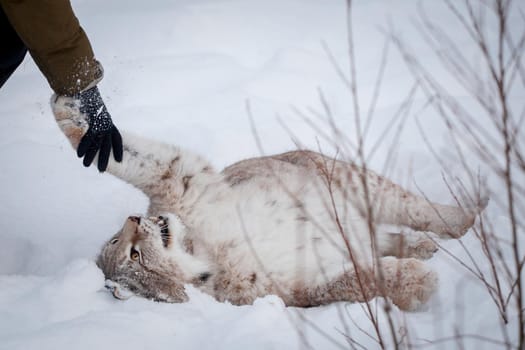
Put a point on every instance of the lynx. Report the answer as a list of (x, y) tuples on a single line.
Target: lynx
[(297, 225)]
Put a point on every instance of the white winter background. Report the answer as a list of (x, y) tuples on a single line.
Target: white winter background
[(182, 71)]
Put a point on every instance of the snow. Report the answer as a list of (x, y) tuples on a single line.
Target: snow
[(182, 72)]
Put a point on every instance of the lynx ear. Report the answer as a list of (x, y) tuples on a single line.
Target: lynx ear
[(118, 291)]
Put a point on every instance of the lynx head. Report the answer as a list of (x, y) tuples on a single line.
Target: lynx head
[(147, 258)]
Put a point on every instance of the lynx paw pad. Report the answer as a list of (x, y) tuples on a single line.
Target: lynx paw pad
[(67, 114)]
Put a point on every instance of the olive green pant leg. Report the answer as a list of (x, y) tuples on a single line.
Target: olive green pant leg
[(12, 49)]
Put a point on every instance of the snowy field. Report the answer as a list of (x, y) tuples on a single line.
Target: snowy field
[(182, 71)]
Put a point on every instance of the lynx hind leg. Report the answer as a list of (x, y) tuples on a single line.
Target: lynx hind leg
[(67, 114), (413, 244), (408, 283), (400, 207), (445, 220), (395, 205)]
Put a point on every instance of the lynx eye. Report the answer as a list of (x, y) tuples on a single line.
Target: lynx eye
[(134, 254), (114, 241)]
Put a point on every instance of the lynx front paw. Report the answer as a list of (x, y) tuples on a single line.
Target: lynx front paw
[(67, 114)]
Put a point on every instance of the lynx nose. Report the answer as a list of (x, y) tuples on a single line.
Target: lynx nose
[(134, 219)]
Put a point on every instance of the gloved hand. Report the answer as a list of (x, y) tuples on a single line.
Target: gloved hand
[(102, 135)]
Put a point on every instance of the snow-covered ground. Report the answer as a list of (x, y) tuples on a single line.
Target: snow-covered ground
[(182, 71)]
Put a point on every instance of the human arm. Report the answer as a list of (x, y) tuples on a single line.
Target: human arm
[(61, 49), (57, 43)]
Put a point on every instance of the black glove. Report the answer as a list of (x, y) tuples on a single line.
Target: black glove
[(102, 135)]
